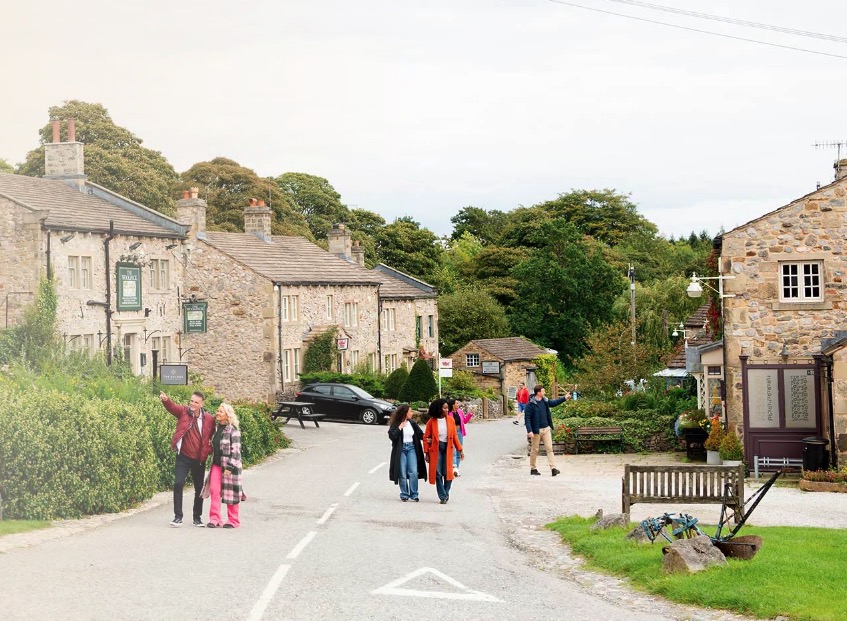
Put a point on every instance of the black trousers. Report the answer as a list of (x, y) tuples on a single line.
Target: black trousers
[(183, 466)]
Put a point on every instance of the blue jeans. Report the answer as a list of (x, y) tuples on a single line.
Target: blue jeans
[(456, 458), (442, 484), (408, 471)]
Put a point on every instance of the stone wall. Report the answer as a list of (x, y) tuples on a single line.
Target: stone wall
[(401, 341), (21, 264)]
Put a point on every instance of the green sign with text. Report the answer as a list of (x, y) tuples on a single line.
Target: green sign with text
[(128, 281), (194, 316)]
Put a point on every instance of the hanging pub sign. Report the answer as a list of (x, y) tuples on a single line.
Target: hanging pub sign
[(342, 344), (128, 280), (173, 374), (194, 316)]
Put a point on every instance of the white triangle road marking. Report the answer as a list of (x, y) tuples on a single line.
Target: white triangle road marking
[(392, 588)]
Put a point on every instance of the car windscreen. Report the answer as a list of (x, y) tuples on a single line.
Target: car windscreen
[(363, 394)]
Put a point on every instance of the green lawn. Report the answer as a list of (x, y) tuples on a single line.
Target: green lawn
[(7, 527), (799, 572)]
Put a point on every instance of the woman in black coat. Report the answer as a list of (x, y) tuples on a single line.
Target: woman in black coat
[(407, 458)]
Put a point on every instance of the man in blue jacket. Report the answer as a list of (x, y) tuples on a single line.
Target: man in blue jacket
[(539, 426)]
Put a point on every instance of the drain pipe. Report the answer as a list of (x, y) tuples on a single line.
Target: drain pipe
[(108, 307), (278, 288), (49, 261), (379, 327)]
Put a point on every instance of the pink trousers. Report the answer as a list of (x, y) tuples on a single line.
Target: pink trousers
[(215, 501)]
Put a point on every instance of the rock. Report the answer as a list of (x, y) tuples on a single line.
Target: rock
[(691, 555), (638, 535), (599, 514), (615, 519)]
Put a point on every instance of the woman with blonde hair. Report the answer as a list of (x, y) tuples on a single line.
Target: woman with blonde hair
[(225, 475)]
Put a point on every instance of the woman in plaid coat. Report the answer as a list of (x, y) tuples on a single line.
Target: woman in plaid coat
[(225, 475)]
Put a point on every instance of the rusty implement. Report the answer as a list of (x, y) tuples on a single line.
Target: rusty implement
[(744, 547)]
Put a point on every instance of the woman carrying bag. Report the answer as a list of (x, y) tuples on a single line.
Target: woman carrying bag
[(407, 463)]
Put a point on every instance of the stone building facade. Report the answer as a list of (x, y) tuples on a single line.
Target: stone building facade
[(499, 364), (783, 276)]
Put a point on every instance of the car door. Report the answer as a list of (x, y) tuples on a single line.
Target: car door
[(321, 396), (346, 402)]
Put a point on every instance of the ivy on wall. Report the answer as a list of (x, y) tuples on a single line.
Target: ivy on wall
[(322, 353)]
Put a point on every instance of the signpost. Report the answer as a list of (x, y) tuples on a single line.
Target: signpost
[(173, 374), (445, 369), (194, 316), (129, 287)]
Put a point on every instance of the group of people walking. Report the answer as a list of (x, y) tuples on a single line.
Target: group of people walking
[(433, 453), (198, 435)]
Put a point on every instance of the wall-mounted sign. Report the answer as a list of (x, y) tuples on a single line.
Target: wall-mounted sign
[(445, 367), (491, 368), (342, 344), (194, 316), (173, 374), (128, 281)]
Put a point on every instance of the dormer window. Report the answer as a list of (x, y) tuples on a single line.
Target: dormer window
[(801, 281)]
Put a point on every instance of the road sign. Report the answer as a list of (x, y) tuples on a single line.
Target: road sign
[(445, 367)]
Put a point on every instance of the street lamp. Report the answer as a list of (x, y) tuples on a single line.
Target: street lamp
[(695, 287)]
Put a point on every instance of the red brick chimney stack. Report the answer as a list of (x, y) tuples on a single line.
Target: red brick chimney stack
[(71, 130), (57, 129)]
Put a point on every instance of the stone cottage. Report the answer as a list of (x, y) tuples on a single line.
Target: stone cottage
[(500, 363), (785, 312), (109, 257)]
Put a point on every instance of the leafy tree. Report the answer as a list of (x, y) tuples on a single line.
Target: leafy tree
[(227, 187), (491, 270), (405, 246), (315, 199), (467, 315), (114, 156), (6, 167), (566, 288), (395, 381), (421, 385), (483, 225), (321, 353)]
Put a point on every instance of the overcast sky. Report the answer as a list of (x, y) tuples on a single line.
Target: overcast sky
[(422, 107)]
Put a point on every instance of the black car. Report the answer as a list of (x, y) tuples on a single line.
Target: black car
[(346, 401)]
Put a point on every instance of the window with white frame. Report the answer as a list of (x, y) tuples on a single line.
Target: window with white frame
[(329, 308), (166, 351), (389, 316), (295, 307), (801, 281), (286, 365), (372, 361), (88, 342), (471, 360), (284, 307), (85, 273), (354, 358), (160, 274), (430, 326), (351, 314), (387, 363), (73, 272)]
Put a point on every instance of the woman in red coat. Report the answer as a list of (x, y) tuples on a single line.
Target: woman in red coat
[(440, 440)]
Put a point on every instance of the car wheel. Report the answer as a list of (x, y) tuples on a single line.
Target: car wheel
[(369, 417)]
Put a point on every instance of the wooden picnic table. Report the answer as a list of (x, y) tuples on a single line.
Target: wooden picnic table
[(302, 410)]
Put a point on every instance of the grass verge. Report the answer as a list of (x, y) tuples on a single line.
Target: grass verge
[(799, 572), (8, 527)]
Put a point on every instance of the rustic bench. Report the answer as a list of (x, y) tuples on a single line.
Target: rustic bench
[(684, 484), (599, 434), (300, 409)]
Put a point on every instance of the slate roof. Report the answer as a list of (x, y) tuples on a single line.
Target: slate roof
[(90, 211), (697, 327), (291, 260), (511, 348), (397, 285)]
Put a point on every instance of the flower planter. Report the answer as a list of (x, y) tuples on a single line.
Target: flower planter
[(713, 458), (694, 439), (822, 486)]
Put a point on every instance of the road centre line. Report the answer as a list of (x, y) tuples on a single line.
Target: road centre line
[(301, 546), (352, 488), (327, 513), (375, 468), (268, 594)]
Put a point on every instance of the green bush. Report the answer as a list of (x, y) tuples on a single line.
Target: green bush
[(638, 426), (394, 382), (421, 384), (373, 383)]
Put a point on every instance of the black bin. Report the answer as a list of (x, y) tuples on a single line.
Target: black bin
[(815, 455)]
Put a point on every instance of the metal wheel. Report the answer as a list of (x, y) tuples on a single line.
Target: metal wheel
[(369, 417)]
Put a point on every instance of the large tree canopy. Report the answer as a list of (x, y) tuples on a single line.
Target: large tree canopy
[(467, 315), (228, 186), (405, 246), (6, 167), (114, 156), (316, 199), (565, 289), (486, 226)]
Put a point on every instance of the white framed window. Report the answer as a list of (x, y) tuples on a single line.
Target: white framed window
[(354, 358), (801, 281), (393, 362), (372, 361), (389, 316), (286, 365), (430, 326), (471, 360), (85, 273), (295, 307), (290, 307), (166, 351), (160, 274), (329, 305), (73, 272), (297, 363), (88, 342), (351, 314), (387, 368), (283, 303)]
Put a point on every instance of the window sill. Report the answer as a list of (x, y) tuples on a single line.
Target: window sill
[(801, 306)]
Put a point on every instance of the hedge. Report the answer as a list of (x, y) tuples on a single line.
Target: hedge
[(638, 426)]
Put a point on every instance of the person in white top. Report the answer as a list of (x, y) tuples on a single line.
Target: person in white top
[(407, 463)]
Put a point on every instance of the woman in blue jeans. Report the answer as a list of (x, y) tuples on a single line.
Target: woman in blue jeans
[(407, 463), (460, 418)]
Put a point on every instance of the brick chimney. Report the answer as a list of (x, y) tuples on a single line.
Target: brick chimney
[(191, 211), (257, 220), (65, 160), (339, 242), (358, 253), (840, 169)]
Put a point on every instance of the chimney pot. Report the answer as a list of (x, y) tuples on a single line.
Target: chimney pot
[(840, 169), (185, 193), (71, 130), (251, 202), (261, 203), (194, 192), (56, 131)]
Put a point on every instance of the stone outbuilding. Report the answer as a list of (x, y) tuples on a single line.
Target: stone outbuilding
[(785, 312), (500, 363)]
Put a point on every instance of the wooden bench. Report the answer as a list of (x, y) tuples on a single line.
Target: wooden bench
[(684, 484), (599, 434), (300, 409)]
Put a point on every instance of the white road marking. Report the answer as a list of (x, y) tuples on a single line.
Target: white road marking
[(469, 594), (301, 546), (352, 489), (268, 594), (327, 513), (375, 468)]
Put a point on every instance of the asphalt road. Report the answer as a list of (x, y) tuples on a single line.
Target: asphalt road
[(324, 536)]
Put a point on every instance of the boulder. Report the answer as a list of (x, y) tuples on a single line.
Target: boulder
[(608, 521), (691, 555), (638, 535)]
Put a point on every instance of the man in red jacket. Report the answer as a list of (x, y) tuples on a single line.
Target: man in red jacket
[(192, 442), (522, 398)]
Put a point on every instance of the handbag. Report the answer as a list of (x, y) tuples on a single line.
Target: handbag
[(206, 491)]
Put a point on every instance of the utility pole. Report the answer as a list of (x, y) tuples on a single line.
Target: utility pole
[(632, 305)]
